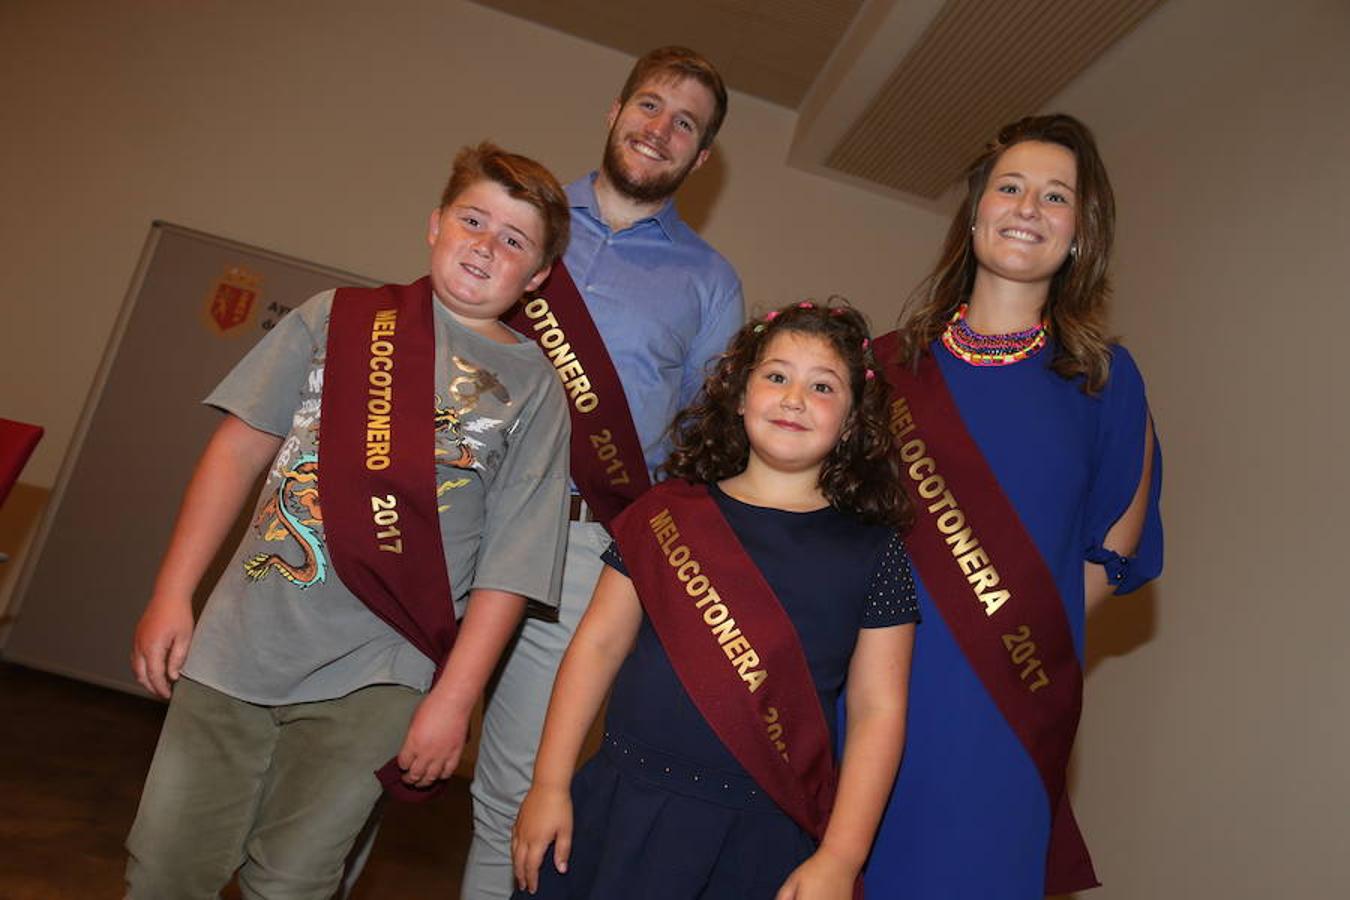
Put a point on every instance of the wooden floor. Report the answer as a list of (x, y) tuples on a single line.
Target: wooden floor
[(72, 759)]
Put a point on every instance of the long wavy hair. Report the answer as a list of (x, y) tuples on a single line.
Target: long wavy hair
[(1076, 304), (859, 476)]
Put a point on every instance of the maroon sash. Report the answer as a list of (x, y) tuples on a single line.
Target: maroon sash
[(993, 589), (732, 646), (607, 462), (377, 455)]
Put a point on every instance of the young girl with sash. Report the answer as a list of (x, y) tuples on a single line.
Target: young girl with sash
[(1025, 440), (739, 597)]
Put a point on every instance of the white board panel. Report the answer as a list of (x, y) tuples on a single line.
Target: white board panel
[(195, 306)]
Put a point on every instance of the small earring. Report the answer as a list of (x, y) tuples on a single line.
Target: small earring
[(972, 227), (1073, 250)]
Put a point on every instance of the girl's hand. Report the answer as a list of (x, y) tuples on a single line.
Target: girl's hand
[(824, 876), (545, 818)]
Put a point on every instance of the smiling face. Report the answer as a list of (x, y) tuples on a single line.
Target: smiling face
[(654, 138), (797, 402), (1025, 221), (486, 252)]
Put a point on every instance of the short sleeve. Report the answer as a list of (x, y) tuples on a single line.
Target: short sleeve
[(613, 558), (891, 596), (266, 387), (1117, 470), (525, 527)]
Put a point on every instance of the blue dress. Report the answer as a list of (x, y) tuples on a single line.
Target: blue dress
[(969, 818), (664, 810)]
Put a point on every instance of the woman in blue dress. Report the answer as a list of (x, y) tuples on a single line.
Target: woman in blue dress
[(1012, 319)]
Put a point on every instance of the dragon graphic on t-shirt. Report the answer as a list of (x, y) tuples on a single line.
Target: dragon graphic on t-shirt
[(293, 514), (456, 447)]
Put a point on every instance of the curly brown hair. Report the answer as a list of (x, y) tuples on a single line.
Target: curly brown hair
[(1076, 305), (860, 475)]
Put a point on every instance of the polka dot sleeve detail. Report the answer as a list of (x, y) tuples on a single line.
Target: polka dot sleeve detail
[(613, 558), (891, 596)]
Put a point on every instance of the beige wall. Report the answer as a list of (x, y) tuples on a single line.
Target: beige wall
[(1211, 758), (324, 130), (1211, 763)]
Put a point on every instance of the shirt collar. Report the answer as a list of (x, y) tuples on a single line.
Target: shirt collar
[(581, 197)]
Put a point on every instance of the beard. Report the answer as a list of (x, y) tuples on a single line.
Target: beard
[(649, 190)]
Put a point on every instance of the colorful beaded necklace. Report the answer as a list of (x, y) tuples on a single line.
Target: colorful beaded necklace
[(990, 349)]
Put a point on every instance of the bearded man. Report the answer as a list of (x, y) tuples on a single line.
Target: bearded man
[(630, 318)]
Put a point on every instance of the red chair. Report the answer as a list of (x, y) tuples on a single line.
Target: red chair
[(17, 440)]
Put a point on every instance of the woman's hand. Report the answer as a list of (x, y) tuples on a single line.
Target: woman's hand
[(824, 876), (545, 818)]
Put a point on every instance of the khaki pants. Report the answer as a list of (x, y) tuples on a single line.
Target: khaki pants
[(276, 792)]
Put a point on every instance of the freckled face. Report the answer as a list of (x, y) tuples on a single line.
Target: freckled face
[(654, 137), (486, 252), (1025, 221), (797, 401)]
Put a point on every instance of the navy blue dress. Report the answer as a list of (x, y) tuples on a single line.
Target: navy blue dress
[(664, 810)]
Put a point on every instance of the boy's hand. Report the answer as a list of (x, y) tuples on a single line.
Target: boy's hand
[(434, 741), (824, 876), (545, 818), (161, 644)]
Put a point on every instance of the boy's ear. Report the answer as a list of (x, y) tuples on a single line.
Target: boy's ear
[(434, 227), (538, 278), (613, 113)]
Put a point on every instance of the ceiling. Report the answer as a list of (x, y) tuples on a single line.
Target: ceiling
[(892, 95)]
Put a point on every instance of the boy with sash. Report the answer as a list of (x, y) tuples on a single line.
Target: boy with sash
[(364, 610), (629, 320)]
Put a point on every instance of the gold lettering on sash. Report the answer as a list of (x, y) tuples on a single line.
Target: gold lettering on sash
[(775, 732), (379, 433), (946, 514), (715, 612), (970, 556), (1022, 652), (576, 384), (559, 352), (607, 452), (385, 514)]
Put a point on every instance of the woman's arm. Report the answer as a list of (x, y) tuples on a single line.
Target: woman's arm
[(878, 689), (1122, 537), (602, 641)]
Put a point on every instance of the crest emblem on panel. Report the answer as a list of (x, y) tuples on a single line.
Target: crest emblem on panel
[(232, 299)]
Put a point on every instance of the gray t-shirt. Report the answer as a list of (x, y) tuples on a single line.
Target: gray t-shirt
[(280, 627)]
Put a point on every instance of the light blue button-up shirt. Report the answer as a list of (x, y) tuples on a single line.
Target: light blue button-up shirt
[(664, 301)]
